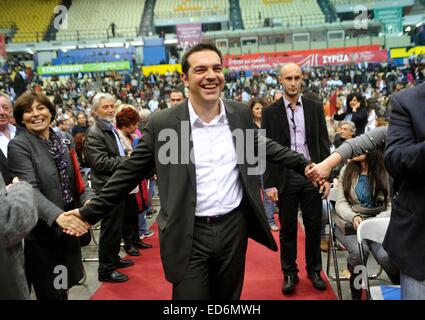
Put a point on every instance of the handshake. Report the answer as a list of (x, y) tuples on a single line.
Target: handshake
[(72, 223), (318, 175)]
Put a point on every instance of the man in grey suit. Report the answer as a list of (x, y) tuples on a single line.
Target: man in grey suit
[(210, 193)]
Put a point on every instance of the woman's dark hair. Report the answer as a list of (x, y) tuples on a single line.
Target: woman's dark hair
[(79, 139), (377, 175), (127, 117), (254, 101), (24, 103), (359, 98)]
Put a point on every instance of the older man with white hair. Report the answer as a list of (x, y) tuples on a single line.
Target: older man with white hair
[(104, 153), (7, 133)]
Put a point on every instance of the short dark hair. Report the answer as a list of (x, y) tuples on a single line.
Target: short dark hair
[(126, 117), (359, 98), (197, 48), (25, 101), (177, 90), (60, 122)]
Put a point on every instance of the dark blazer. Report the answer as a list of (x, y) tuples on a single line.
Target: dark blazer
[(177, 184), (405, 161), (30, 160), (102, 154), (359, 118), (275, 122), (4, 169), (47, 246)]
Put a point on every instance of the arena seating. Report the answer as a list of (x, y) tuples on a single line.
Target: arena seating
[(92, 19), (31, 18), (166, 9), (287, 12), (345, 2)]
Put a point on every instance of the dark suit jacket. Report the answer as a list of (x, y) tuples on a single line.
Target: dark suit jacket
[(275, 121), (4, 169), (405, 161), (177, 184), (102, 154)]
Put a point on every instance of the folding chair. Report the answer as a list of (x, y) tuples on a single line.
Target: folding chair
[(333, 244), (374, 230)]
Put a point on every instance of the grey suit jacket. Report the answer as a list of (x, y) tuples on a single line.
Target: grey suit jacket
[(177, 185), (30, 160), (18, 215)]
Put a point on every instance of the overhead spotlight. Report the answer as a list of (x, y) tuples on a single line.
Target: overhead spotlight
[(408, 29), (418, 24)]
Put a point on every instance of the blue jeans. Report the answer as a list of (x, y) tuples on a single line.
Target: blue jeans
[(411, 289), (151, 191), (143, 226), (269, 208)]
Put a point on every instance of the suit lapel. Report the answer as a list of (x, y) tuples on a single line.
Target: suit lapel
[(4, 168), (235, 123), (308, 120), (183, 116), (282, 118)]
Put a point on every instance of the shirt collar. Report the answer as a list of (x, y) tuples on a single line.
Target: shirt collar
[(12, 131), (194, 118), (299, 102)]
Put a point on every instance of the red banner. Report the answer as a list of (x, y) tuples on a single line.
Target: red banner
[(307, 58), (3, 53)]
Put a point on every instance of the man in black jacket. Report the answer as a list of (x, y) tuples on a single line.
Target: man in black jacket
[(205, 221), (104, 153), (299, 123)]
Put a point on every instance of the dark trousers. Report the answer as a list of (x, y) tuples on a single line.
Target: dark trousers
[(217, 264), (300, 192), (110, 239), (130, 226)]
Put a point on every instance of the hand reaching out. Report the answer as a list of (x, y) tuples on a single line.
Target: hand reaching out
[(272, 194), (319, 172), (324, 189), (356, 222), (14, 181), (72, 223)]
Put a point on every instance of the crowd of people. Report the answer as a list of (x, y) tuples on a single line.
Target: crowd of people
[(89, 145)]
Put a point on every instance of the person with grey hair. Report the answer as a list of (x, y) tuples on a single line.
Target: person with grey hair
[(7, 133), (104, 153), (347, 130), (145, 115)]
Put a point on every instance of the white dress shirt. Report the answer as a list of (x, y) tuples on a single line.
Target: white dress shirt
[(4, 141), (218, 184)]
